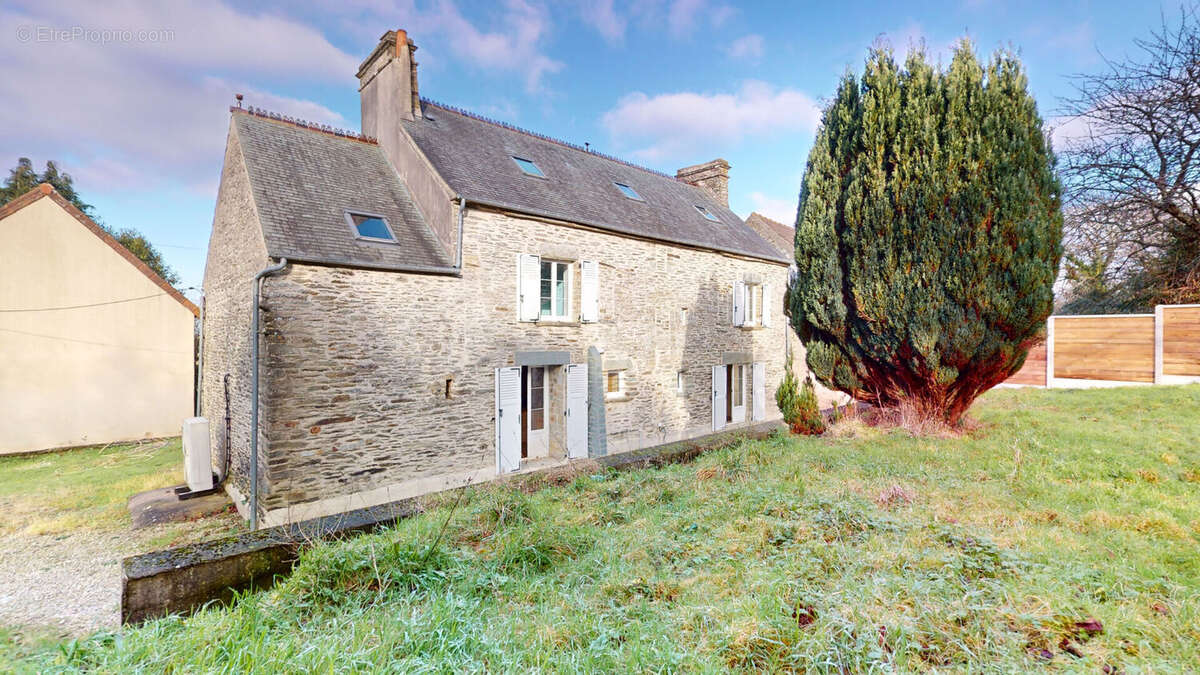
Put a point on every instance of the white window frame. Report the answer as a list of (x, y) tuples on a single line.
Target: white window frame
[(754, 298), (569, 277), (350, 214), (621, 391)]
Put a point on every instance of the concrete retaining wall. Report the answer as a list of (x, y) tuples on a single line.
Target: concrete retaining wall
[(184, 579)]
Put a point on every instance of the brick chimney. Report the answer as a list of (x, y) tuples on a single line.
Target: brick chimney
[(712, 176), (387, 85)]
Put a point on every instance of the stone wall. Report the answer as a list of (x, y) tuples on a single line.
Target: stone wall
[(356, 361), (236, 252)]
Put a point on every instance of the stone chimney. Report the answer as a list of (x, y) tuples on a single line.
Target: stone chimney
[(387, 85), (712, 176)]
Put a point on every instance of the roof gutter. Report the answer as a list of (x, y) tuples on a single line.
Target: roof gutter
[(266, 272)]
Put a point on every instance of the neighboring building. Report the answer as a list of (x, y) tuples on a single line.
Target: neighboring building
[(94, 346), (463, 299), (782, 237)]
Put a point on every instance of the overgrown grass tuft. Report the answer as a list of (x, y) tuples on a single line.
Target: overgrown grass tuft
[(1034, 542)]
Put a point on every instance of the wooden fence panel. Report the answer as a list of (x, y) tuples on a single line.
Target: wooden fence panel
[(1181, 341), (1034, 370), (1104, 348)]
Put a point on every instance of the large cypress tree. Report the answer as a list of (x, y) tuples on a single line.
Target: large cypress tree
[(928, 234)]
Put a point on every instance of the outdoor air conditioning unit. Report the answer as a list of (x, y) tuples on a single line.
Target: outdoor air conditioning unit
[(197, 457)]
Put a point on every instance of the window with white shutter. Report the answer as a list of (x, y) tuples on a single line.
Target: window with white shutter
[(766, 305), (739, 303), (529, 272), (589, 291)]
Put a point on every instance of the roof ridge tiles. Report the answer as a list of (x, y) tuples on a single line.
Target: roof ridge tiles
[(512, 127), (304, 124)]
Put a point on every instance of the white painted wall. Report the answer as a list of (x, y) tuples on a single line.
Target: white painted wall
[(68, 377)]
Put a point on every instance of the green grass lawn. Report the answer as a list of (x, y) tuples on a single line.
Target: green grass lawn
[(1062, 534), (83, 488)]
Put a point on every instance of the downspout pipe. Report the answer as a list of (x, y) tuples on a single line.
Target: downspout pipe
[(266, 272), (199, 379), (462, 209)]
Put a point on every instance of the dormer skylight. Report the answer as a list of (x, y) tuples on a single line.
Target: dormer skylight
[(707, 214), (529, 167), (370, 226), (628, 191)]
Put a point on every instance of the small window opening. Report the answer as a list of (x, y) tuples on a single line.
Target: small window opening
[(528, 167), (449, 383), (706, 213), (614, 384), (628, 192), (369, 226)]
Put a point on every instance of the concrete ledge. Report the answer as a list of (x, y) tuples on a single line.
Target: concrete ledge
[(184, 579)]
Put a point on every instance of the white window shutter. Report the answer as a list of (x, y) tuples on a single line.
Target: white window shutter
[(508, 419), (577, 410), (529, 276), (759, 388), (739, 303), (766, 305), (718, 397), (589, 291)]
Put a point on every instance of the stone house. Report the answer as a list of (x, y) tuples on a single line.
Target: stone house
[(453, 299)]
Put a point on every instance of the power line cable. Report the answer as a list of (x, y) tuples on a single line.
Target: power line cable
[(94, 304), (90, 342)]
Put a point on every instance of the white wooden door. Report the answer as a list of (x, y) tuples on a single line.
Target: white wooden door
[(737, 393), (577, 410), (718, 397), (508, 419), (758, 392), (536, 434)]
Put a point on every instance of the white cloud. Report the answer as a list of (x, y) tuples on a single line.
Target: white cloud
[(912, 36), (782, 210), (604, 18), (672, 125), (749, 47), (681, 17), (513, 47), (123, 115), (1068, 130)]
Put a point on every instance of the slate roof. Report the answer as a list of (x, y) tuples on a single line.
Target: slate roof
[(475, 157), (776, 233), (304, 180)]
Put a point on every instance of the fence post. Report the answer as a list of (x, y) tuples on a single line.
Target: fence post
[(1158, 344), (1050, 352)]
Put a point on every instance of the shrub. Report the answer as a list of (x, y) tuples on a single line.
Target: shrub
[(928, 234), (799, 405)]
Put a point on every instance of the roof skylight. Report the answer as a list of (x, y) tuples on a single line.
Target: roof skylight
[(369, 226), (628, 191), (528, 167), (706, 213)]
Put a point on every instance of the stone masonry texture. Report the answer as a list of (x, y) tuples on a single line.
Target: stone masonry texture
[(355, 362), (236, 253)]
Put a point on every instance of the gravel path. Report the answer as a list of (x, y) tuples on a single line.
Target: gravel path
[(70, 584), (67, 583)]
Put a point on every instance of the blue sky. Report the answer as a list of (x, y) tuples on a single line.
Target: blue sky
[(140, 117)]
